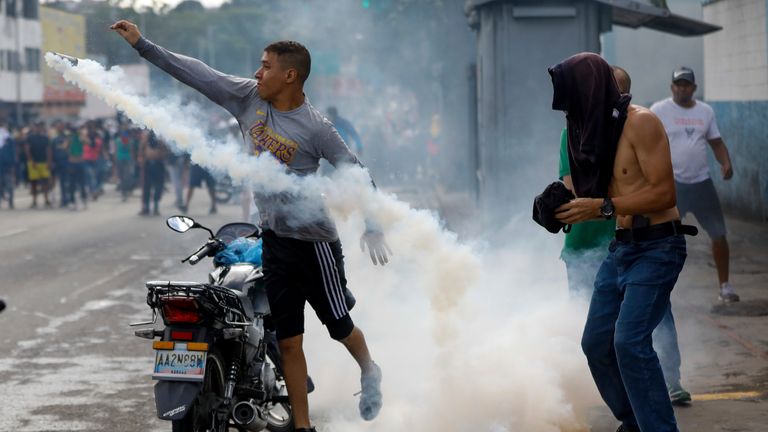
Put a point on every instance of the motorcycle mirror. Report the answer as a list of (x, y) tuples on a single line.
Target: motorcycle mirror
[(181, 223)]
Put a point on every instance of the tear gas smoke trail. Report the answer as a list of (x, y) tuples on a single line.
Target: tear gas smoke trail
[(349, 192), (501, 362)]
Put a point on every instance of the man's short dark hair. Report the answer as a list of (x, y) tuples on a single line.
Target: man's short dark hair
[(626, 75), (292, 55)]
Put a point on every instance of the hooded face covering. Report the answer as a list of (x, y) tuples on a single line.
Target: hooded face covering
[(584, 87)]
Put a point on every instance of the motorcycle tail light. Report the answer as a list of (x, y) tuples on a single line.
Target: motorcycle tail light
[(181, 335), (181, 310)]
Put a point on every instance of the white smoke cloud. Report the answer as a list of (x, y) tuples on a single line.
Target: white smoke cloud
[(469, 339)]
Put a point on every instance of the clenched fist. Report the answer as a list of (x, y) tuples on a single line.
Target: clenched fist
[(128, 30)]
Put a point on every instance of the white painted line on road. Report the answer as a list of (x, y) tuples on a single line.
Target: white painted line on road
[(13, 232), (101, 281)]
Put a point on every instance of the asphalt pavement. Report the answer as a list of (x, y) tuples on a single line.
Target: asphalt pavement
[(73, 280)]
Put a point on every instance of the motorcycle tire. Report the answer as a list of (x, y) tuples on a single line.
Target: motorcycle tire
[(282, 422), (223, 191), (277, 423), (214, 382)]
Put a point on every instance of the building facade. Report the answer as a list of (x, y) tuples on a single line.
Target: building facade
[(21, 83), (63, 32), (736, 72)]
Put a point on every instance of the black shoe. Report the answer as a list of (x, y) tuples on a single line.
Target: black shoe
[(370, 397), (312, 429), (623, 428)]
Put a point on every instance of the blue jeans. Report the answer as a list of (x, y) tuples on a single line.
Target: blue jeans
[(630, 298), (665, 344)]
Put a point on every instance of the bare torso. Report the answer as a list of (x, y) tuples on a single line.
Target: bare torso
[(628, 177)]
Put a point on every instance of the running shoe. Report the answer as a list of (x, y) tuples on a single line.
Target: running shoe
[(678, 395), (370, 397), (727, 294)]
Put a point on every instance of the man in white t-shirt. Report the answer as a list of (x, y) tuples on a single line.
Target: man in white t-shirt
[(691, 126)]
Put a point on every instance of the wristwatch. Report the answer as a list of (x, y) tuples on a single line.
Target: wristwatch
[(607, 209)]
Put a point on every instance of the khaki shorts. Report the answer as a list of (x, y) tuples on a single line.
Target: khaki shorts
[(38, 171)]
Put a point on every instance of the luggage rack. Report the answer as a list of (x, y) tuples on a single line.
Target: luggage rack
[(211, 299)]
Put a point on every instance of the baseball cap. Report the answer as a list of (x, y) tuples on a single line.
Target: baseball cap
[(684, 73)]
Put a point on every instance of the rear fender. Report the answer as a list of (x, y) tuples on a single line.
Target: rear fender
[(173, 399)]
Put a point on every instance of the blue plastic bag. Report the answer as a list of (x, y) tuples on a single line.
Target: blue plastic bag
[(238, 251)]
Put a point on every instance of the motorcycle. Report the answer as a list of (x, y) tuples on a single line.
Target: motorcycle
[(217, 362)]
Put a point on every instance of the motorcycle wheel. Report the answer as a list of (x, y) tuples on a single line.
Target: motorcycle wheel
[(214, 382), (223, 191), (280, 415), (280, 418)]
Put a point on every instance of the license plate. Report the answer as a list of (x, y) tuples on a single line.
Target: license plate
[(179, 364)]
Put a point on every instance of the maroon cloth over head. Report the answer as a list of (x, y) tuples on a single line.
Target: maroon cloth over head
[(584, 87)]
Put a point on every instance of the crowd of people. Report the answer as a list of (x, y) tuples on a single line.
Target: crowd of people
[(67, 165)]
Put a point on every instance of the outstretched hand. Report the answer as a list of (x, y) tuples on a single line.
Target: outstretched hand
[(377, 247), (128, 30)]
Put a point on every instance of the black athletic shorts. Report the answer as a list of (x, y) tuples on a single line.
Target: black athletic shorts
[(298, 271), (198, 175)]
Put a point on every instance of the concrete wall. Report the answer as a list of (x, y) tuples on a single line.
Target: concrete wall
[(742, 125), (736, 58), (736, 69)]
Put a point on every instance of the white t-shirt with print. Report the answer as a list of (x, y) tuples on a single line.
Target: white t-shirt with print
[(689, 131)]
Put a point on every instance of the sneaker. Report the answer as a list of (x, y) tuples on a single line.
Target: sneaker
[(678, 395), (727, 294), (312, 429), (370, 398)]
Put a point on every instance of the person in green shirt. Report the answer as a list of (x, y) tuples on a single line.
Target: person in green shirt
[(586, 245), (77, 167)]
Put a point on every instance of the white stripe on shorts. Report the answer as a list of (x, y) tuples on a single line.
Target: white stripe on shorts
[(328, 281), (335, 278)]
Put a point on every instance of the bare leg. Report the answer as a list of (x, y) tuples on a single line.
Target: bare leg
[(34, 194), (295, 368), (355, 344), (190, 192), (46, 188), (370, 377), (212, 194), (721, 254)]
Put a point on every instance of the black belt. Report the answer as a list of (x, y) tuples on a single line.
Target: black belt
[(655, 232)]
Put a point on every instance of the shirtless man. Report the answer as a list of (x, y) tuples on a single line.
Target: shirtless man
[(633, 285)]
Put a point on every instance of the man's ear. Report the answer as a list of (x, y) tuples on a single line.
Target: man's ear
[(291, 76)]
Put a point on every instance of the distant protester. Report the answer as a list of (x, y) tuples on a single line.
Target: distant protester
[(39, 161), (691, 128), (8, 160)]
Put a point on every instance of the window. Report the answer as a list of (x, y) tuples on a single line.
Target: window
[(10, 8), (12, 62), (2, 60), (29, 9), (32, 59)]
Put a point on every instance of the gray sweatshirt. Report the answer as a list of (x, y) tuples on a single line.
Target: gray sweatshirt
[(298, 139)]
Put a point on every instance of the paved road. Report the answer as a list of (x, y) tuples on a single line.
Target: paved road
[(74, 280)]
